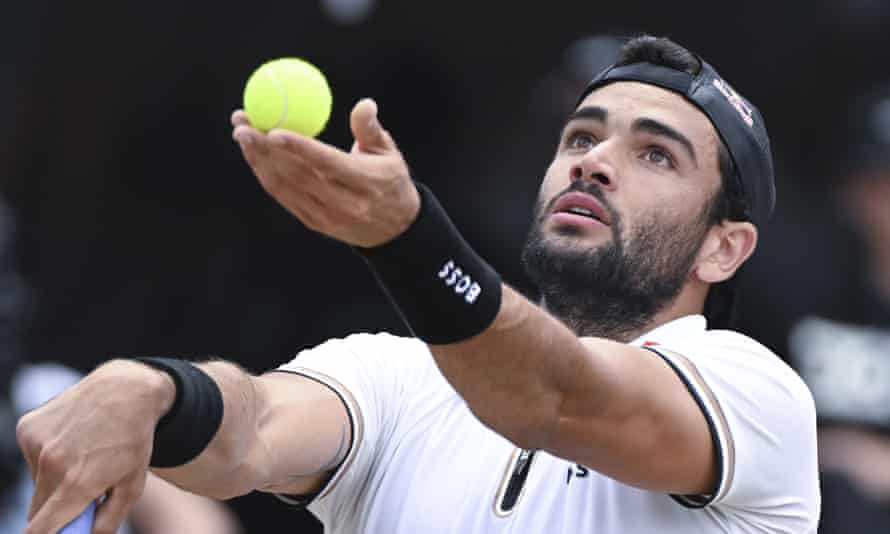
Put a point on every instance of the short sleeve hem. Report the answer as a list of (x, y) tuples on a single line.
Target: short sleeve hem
[(720, 432), (357, 431)]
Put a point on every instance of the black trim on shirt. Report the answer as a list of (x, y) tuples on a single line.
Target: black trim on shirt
[(302, 501), (698, 501)]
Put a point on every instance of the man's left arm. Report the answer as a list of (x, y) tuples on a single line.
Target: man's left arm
[(618, 409), (615, 408)]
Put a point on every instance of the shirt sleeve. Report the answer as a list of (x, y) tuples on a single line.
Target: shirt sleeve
[(374, 376), (763, 423)]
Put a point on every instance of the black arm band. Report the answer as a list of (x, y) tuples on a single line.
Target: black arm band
[(194, 417), (443, 290)]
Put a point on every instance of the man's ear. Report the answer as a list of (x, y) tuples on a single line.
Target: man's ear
[(727, 246)]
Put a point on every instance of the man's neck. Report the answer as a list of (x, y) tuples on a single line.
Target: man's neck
[(688, 302)]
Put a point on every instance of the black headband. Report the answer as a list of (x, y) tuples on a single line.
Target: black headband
[(738, 123)]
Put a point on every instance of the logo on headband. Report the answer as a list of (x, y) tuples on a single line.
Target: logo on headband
[(740, 105)]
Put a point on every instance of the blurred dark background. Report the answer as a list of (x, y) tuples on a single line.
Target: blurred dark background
[(139, 229)]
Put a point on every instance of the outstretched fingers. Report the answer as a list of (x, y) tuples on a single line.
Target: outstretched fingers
[(50, 475), (65, 502), (349, 196), (287, 162), (70, 498), (306, 148)]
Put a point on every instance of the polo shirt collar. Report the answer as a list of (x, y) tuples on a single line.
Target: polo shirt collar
[(673, 331)]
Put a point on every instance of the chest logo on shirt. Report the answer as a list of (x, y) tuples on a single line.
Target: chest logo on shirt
[(576, 470)]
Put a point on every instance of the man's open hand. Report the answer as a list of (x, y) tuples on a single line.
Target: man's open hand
[(364, 197)]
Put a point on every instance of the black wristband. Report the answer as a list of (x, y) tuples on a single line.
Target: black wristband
[(193, 419), (443, 290)]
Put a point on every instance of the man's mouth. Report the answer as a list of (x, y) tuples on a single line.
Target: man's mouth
[(582, 205)]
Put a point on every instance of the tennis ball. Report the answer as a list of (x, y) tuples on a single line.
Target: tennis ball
[(288, 93)]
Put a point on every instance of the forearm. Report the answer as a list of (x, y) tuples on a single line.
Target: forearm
[(228, 466), (164, 508), (519, 374), (532, 380)]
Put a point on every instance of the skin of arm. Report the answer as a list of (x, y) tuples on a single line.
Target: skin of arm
[(618, 409), (259, 445), (164, 508)]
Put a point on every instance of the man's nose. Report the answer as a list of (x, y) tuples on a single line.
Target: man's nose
[(594, 166)]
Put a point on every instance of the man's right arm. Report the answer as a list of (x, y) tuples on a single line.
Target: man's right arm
[(279, 432)]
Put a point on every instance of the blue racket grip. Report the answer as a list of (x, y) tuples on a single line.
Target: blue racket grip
[(83, 523)]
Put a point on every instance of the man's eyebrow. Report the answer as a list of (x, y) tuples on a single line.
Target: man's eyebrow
[(589, 112), (655, 127)]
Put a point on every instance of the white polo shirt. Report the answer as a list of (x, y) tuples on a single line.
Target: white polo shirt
[(420, 461)]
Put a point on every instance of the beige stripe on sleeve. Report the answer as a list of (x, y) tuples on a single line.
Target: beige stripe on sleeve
[(355, 416), (714, 413)]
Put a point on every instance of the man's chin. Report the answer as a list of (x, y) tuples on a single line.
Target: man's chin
[(572, 236)]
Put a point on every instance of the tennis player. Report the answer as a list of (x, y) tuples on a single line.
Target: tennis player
[(612, 406)]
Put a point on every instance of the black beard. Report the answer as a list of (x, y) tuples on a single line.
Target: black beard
[(614, 290)]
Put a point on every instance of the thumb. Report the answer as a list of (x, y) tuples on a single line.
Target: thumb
[(370, 137)]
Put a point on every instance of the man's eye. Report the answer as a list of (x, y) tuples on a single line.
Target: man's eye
[(581, 140), (659, 157)]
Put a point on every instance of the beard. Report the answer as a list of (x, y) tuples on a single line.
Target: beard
[(613, 290)]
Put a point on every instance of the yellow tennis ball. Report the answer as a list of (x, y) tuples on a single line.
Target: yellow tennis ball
[(288, 93)]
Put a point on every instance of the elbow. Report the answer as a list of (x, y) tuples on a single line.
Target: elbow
[(238, 480), (526, 425), (543, 423)]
